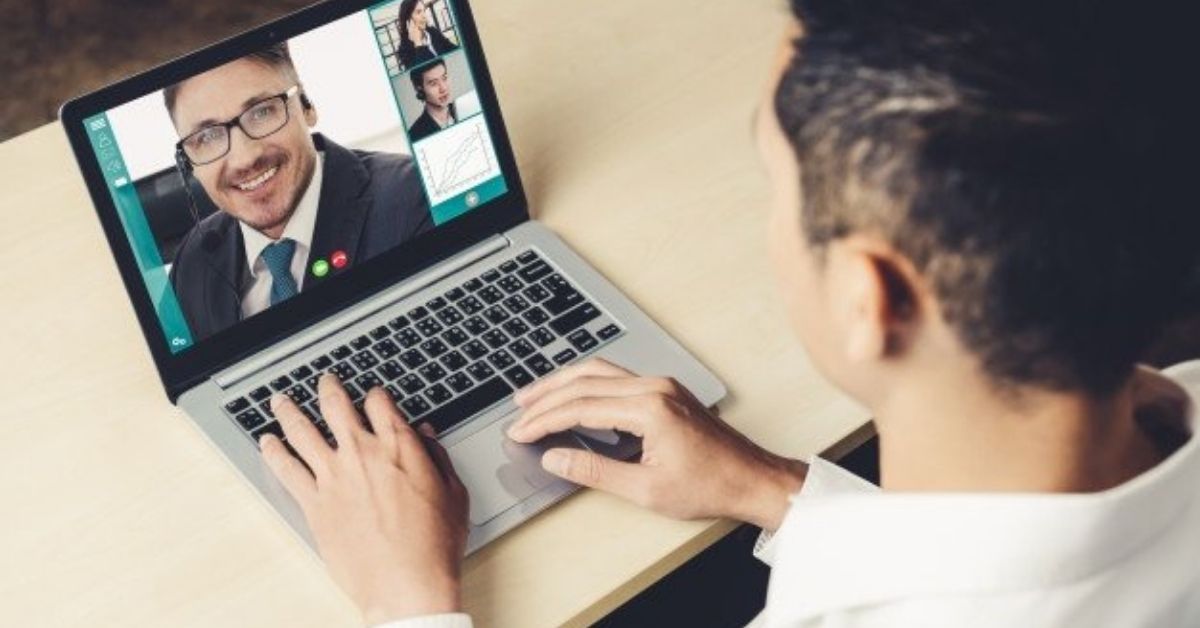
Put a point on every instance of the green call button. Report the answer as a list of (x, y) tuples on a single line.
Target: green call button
[(320, 268)]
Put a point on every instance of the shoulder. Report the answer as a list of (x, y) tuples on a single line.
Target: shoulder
[(387, 169), (214, 232)]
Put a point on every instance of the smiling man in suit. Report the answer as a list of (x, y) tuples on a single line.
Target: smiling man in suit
[(288, 197)]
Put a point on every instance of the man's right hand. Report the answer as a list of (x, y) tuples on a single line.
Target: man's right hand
[(693, 465)]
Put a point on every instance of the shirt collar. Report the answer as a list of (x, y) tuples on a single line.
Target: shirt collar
[(300, 228), (900, 545)]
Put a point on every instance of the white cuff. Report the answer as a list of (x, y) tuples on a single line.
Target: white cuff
[(447, 620)]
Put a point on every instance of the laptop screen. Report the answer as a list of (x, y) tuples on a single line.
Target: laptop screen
[(247, 184)]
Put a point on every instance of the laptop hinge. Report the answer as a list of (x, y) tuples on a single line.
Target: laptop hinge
[(321, 331)]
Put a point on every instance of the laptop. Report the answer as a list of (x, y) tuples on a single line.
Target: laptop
[(336, 192)]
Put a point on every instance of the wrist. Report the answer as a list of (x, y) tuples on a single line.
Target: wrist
[(765, 501), (432, 599)]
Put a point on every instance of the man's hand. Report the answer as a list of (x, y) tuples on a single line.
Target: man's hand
[(387, 510), (693, 465)]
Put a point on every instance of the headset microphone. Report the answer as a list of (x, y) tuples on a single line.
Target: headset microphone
[(211, 240)]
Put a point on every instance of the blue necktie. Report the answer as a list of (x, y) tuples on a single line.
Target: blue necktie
[(278, 258)]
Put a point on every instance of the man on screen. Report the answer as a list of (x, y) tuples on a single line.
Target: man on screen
[(296, 208), (432, 85)]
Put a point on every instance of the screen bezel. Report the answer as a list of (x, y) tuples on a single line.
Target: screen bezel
[(181, 371)]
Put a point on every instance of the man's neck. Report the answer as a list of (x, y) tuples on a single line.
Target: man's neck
[(959, 436), (441, 115)]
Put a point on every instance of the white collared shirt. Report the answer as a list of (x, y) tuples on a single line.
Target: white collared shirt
[(256, 295), (850, 556)]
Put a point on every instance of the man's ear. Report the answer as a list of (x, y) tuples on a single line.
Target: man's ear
[(876, 297), (310, 110)]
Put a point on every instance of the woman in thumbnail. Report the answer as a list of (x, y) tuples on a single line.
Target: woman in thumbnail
[(420, 40)]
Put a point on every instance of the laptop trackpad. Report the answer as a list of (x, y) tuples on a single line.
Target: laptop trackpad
[(499, 472)]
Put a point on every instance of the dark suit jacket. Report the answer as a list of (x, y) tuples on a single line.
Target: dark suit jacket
[(411, 56), (426, 126), (369, 203)]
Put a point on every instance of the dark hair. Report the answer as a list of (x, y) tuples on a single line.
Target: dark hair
[(407, 8), (1017, 154), (417, 76), (277, 56)]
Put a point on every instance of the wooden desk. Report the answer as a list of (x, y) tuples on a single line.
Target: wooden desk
[(632, 124)]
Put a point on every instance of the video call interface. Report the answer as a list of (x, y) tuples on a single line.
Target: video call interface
[(248, 184)]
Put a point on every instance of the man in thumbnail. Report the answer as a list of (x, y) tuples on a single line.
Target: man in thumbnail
[(296, 209), (432, 85)]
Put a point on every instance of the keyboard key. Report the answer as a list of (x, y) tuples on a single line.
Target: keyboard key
[(564, 356), (434, 347), (410, 383), (415, 406), (450, 316), (459, 382), (313, 381), (408, 338), (470, 305), (491, 275), (367, 381), (455, 294), (360, 343), (540, 365), (250, 419), (582, 340), (413, 358), (574, 319), (522, 348), (381, 332), (518, 376), (508, 267), (272, 428), (393, 391), (475, 349), (502, 359), (516, 328), (510, 284), (480, 371), (354, 392), (542, 336), (262, 393), (418, 313), (265, 408), (430, 327), (527, 257), (432, 372), (476, 325), (281, 383), (491, 295), (386, 348), (400, 322), (473, 285), (536, 293), (300, 372), (437, 303), (468, 404), (341, 353), (299, 394), (562, 301), (609, 332), (455, 337), (237, 405), (322, 363), (535, 271), (495, 338), (453, 361), (343, 371), (365, 360), (535, 316), (391, 370), (496, 315), (556, 283), (438, 394), (516, 304)]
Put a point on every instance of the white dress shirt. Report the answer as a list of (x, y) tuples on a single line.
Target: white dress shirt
[(848, 555), (256, 295)]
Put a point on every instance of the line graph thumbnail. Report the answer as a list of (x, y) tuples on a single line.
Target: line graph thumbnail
[(457, 159)]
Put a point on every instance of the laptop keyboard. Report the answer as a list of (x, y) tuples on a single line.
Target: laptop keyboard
[(450, 358)]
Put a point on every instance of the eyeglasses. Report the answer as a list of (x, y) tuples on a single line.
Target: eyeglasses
[(260, 120)]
